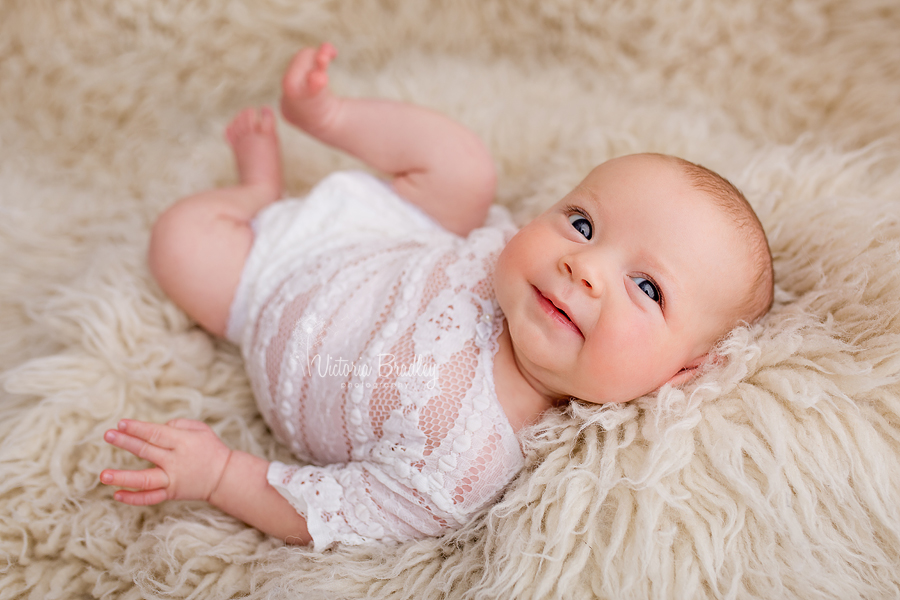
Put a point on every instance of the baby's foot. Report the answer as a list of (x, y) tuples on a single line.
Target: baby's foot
[(254, 142), (306, 100)]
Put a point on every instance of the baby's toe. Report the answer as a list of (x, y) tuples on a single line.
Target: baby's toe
[(295, 77)]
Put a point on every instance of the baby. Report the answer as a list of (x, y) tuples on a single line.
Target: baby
[(399, 334)]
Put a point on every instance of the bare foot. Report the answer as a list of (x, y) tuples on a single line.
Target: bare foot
[(306, 100), (254, 142)]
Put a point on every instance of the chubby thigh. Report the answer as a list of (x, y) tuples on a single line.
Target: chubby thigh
[(197, 252)]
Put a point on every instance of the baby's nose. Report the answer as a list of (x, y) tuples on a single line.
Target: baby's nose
[(579, 272)]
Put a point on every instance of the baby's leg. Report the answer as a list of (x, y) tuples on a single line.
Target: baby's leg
[(436, 163), (199, 245)]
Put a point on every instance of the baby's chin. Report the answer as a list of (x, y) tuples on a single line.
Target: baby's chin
[(600, 399), (604, 400)]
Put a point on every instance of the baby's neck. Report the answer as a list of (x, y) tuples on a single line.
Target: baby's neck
[(522, 404)]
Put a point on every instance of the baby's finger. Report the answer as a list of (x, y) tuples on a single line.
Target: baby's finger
[(144, 498), (325, 53), (146, 479), (189, 424), (156, 434), (136, 446)]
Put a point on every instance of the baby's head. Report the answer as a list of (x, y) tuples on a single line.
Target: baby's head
[(630, 280)]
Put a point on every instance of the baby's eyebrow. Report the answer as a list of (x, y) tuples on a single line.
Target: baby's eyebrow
[(590, 196)]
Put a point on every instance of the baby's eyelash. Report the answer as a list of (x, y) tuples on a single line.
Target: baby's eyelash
[(571, 209)]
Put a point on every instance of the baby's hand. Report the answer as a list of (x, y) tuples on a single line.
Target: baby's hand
[(190, 460)]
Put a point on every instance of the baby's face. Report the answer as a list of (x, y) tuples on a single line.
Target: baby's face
[(622, 286)]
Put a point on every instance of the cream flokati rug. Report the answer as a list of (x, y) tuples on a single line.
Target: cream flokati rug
[(776, 475)]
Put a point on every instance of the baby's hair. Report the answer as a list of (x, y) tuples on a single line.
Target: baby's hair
[(732, 201)]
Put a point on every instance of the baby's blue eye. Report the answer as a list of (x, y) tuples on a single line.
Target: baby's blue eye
[(648, 287), (582, 225)]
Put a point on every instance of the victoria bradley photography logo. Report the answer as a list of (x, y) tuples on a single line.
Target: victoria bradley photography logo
[(421, 370)]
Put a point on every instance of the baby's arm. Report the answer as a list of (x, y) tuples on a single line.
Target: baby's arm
[(192, 463), (437, 163)]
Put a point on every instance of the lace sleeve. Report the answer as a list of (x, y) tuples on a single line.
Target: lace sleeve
[(400, 500), (349, 504)]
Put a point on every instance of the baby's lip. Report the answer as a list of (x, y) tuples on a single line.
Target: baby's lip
[(561, 307)]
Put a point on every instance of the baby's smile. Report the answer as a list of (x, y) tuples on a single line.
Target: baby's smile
[(555, 309)]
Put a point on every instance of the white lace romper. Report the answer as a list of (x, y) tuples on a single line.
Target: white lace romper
[(369, 334)]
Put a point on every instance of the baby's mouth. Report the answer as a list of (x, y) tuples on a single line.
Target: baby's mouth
[(550, 303), (567, 317)]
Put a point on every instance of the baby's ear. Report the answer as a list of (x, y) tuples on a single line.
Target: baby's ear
[(692, 369)]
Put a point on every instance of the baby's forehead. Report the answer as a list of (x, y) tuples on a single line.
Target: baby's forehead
[(684, 227), (666, 182), (650, 188)]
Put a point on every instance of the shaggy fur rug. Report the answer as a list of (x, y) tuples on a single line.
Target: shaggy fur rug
[(775, 475)]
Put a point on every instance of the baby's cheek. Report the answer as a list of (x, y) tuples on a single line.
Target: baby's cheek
[(624, 359), (501, 286)]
